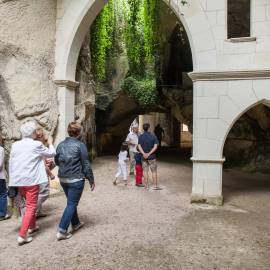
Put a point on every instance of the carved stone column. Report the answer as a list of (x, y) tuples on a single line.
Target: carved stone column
[(66, 105)]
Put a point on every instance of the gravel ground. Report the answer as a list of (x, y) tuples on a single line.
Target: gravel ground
[(131, 228)]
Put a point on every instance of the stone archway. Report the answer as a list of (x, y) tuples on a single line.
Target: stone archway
[(218, 103), (74, 20)]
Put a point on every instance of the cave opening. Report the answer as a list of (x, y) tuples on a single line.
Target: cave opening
[(247, 153), (138, 76), (157, 87)]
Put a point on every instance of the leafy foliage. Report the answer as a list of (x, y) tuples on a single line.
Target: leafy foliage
[(134, 37), (139, 34), (101, 41), (141, 90), (151, 22)]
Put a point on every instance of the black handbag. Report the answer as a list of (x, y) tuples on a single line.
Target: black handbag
[(12, 192)]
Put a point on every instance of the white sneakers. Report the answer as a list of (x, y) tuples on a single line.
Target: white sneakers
[(25, 240), (59, 235), (63, 236), (32, 231), (7, 216), (22, 240), (77, 227)]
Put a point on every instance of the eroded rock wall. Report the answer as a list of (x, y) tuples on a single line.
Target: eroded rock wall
[(27, 41), (248, 143), (85, 96)]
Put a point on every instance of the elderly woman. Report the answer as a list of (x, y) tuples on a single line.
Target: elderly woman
[(27, 171), (74, 168), (3, 188)]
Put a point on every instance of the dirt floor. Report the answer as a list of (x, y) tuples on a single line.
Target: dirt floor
[(131, 228)]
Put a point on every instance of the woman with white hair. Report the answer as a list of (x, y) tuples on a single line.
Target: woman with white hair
[(27, 171)]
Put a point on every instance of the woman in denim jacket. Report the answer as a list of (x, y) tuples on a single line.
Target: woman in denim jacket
[(74, 167)]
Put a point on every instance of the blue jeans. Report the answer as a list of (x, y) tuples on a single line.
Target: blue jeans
[(73, 193), (3, 198)]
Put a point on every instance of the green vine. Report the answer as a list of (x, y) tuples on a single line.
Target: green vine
[(151, 20), (142, 90), (135, 24), (101, 41), (134, 37)]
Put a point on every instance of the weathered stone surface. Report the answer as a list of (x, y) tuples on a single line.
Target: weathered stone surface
[(113, 124), (85, 96), (27, 90), (179, 101), (248, 143)]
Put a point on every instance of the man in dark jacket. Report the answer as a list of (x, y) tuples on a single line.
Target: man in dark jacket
[(74, 167)]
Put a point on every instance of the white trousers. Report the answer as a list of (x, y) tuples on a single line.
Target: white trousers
[(122, 170), (43, 195)]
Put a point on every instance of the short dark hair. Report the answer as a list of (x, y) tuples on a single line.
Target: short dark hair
[(1, 141), (146, 126), (74, 129)]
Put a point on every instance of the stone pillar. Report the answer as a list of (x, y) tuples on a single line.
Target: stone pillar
[(66, 105), (207, 145), (207, 181)]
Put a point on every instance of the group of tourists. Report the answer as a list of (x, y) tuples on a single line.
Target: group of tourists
[(140, 151), (31, 160)]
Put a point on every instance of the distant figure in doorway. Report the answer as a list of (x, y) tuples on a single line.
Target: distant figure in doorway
[(148, 144), (27, 171), (159, 132), (132, 140), (74, 167), (122, 170), (3, 187)]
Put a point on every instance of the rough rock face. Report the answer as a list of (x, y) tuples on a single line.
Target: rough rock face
[(85, 96), (180, 103), (27, 90), (113, 124), (115, 110), (248, 143)]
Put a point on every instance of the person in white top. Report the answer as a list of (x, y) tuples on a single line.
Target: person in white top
[(132, 140), (3, 188), (122, 164), (27, 171)]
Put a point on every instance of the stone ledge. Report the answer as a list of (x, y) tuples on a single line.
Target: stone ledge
[(241, 39), (213, 200), (67, 83), (229, 75), (206, 160)]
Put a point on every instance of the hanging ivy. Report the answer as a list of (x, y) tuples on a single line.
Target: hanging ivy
[(134, 37), (133, 23), (101, 41), (151, 22)]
